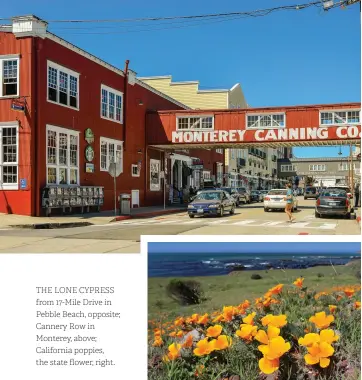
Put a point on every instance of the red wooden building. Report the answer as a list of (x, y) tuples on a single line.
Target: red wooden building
[(65, 115)]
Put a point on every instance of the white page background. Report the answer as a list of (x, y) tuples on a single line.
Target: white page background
[(124, 340)]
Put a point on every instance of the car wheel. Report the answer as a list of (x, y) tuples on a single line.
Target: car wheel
[(265, 209), (296, 208), (249, 201), (232, 211), (352, 210), (305, 198), (191, 216), (221, 212), (316, 214), (348, 215)]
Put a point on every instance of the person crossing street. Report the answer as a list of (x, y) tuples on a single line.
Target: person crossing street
[(289, 205)]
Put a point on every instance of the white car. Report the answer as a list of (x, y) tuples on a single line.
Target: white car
[(277, 199)]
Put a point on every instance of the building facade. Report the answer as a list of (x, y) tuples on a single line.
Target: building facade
[(66, 115), (253, 167), (325, 172)]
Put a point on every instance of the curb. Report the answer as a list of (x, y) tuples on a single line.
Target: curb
[(49, 226), (146, 214)]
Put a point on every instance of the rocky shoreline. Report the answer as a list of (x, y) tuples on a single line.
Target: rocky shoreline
[(288, 264)]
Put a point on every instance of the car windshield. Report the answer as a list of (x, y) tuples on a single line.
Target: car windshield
[(277, 192), (209, 196), (255, 192), (241, 190), (311, 189), (334, 193), (227, 189)]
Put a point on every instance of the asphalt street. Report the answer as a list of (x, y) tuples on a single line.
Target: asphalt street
[(124, 237)]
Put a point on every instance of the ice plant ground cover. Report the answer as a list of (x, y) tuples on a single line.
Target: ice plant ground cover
[(290, 332)]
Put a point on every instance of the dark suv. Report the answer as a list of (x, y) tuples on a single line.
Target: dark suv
[(310, 192)]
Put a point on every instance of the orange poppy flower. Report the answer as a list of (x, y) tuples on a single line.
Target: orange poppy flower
[(203, 347), (274, 320), (321, 320), (349, 292), (332, 308), (249, 319), (247, 332), (357, 305), (221, 343), (188, 342), (214, 331), (299, 282), (319, 353)]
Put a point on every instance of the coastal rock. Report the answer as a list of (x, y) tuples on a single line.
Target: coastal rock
[(196, 336)]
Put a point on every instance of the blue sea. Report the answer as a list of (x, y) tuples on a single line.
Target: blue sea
[(206, 264)]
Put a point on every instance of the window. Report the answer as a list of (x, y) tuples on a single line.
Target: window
[(111, 152), (343, 166), (263, 121), (111, 104), (135, 171), (195, 122), (63, 86), (206, 175), (288, 168), (9, 150), (339, 117), (62, 156), (9, 75), (219, 151), (317, 168)]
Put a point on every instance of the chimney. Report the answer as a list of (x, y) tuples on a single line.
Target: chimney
[(29, 26)]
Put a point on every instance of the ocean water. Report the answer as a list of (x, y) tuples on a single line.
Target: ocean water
[(204, 264)]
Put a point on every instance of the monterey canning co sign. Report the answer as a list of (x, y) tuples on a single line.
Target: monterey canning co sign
[(265, 135)]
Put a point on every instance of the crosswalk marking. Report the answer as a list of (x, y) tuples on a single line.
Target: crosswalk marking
[(243, 223), (303, 224)]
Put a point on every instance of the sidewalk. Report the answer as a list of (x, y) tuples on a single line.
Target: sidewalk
[(79, 220)]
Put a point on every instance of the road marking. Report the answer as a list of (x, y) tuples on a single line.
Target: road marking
[(312, 224), (218, 221), (299, 224), (328, 226), (243, 223), (271, 224)]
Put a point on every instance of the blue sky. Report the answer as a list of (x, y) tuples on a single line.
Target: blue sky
[(251, 248), (286, 58)]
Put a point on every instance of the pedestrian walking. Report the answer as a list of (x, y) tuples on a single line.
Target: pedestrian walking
[(289, 205), (180, 195), (185, 194), (170, 195), (356, 195)]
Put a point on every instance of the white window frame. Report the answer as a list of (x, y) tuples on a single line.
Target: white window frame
[(206, 174), (66, 71), (115, 93), (220, 151), (347, 165), (333, 116), (138, 172), (109, 141), (10, 57), (9, 186), (314, 168), (57, 166), (178, 117), (256, 124), (288, 168)]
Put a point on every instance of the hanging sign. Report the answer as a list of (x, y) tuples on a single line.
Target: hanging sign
[(89, 136), (18, 105), (89, 153), (89, 168)]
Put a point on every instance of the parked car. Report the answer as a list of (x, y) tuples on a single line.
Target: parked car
[(263, 193), (345, 188), (310, 192), (277, 199), (255, 196), (233, 193), (333, 201), (244, 195), (211, 202)]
